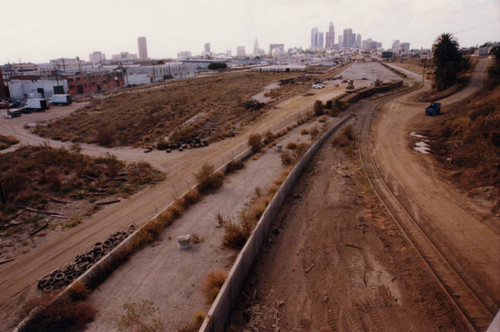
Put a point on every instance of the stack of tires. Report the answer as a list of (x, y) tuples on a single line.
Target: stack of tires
[(65, 274)]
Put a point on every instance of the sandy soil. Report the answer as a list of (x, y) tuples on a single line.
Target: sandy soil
[(338, 263), (350, 269), (18, 278)]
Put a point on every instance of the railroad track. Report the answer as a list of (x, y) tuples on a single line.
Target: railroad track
[(474, 313)]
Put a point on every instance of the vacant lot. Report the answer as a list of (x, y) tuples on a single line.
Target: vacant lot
[(208, 108), (41, 186)]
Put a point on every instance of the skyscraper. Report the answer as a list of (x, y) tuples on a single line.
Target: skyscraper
[(320, 40), (143, 47), (330, 37), (207, 47), (314, 38), (349, 38), (358, 40)]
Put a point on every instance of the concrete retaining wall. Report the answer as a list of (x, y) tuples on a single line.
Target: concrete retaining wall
[(219, 312)]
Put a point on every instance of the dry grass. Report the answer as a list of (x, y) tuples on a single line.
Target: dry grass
[(208, 180), (138, 118), (32, 175), (195, 324), (7, 141), (213, 283), (62, 315), (255, 142)]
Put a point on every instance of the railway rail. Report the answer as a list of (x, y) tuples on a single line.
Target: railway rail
[(474, 313)]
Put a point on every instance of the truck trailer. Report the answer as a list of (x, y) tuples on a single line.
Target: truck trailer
[(37, 105), (62, 99)]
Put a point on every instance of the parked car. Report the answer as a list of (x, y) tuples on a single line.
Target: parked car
[(318, 86)]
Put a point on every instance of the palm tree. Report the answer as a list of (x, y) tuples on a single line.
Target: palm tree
[(447, 59)]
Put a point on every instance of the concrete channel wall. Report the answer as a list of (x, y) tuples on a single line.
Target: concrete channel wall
[(219, 312)]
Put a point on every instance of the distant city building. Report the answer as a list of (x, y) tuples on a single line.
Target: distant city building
[(349, 38), (240, 52), (207, 48), (368, 45), (97, 57), (124, 56), (256, 50), (330, 37), (400, 48), (278, 49), (66, 64), (183, 55), (143, 48), (3, 90), (228, 53), (316, 39), (19, 69), (139, 75), (341, 40), (358, 40)]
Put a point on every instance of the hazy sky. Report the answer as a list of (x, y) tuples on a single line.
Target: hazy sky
[(40, 30)]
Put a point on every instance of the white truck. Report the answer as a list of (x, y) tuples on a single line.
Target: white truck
[(62, 99), (37, 105)]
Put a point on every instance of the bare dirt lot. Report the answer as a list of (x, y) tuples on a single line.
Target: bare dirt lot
[(18, 278), (338, 263), (350, 267)]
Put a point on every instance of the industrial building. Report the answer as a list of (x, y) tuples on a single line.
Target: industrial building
[(139, 75)]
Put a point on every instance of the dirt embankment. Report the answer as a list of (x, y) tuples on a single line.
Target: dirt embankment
[(336, 261)]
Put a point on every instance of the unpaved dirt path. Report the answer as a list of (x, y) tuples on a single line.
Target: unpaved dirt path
[(18, 278), (339, 263), (467, 234)]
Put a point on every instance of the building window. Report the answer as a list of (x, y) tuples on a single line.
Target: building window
[(70, 79), (78, 78), (71, 86)]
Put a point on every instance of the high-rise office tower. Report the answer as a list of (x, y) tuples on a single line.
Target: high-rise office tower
[(207, 47), (341, 40), (349, 38), (143, 47), (320, 40), (358, 40), (314, 38), (330, 37)]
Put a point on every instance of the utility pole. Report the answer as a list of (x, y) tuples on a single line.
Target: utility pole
[(423, 73)]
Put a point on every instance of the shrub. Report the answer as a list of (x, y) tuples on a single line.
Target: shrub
[(190, 198), (291, 145), (195, 324), (349, 133), (207, 179), (234, 165), (304, 131), (286, 158), (314, 132), (213, 283), (62, 315), (105, 136), (235, 235), (255, 142), (161, 144), (318, 108), (78, 291), (268, 137)]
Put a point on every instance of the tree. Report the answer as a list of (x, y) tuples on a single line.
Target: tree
[(447, 59), (217, 65), (494, 70)]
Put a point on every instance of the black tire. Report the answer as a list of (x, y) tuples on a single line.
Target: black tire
[(48, 289), (59, 276)]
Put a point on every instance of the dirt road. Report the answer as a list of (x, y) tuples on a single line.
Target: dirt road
[(350, 267), (338, 263), (466, 233), (18, 278)]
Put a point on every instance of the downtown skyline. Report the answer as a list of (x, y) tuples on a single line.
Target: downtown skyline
[(113, 26)]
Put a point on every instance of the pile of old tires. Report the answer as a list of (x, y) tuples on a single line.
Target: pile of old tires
[(65, 274)]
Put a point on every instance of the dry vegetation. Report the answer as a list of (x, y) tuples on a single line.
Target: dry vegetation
[(467, 140), (40, 177), (7, 141), (205, 108), (213, 283)]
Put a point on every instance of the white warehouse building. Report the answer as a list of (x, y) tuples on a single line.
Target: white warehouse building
[(36, 86), (138, 75)]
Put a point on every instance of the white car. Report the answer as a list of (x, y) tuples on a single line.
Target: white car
[(318, 86)]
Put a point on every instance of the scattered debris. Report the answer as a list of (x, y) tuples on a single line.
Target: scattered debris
[(109, 202), (184, 241), (309, 268), (297, 196)]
